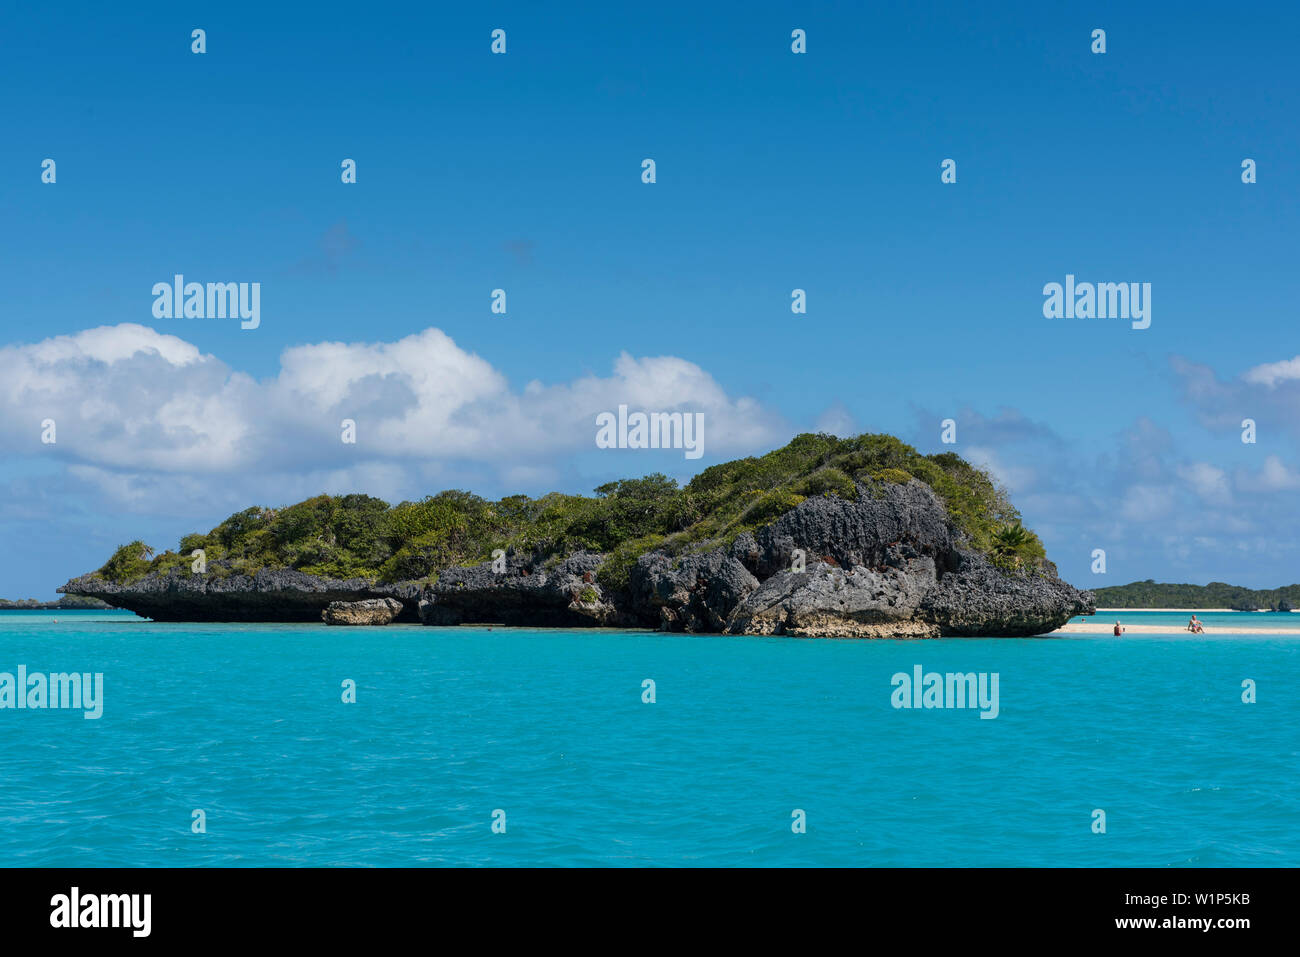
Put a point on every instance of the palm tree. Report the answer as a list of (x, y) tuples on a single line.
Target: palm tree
[(1009, 539)]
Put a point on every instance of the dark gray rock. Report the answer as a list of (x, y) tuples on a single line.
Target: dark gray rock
[(281, 594), (828, 601), (687, 593), (887, 565), (889, 523), (978, 599), (528, 591)]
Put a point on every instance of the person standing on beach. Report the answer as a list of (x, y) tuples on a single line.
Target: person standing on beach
[(1118, 630)]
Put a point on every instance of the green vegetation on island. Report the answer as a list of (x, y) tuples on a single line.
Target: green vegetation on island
[(1152, 594), (358, 536), (66, 603)]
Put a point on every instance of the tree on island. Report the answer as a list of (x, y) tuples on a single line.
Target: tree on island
[(359, 536), (1009, 541)]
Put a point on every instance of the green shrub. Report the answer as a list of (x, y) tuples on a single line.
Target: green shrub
[(363, 537), (829, 481), (768, 507), (614, 573), (129, 562), (896, 476), (190, 542)]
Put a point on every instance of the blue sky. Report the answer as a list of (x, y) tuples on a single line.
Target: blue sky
[(775, 171)]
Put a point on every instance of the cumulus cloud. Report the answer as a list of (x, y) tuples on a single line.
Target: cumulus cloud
[(1146, 503), (1273, 476), (1268, 393), (1208, 481), (1159, 505), (139, 413), (1016, 477), (1020, 453), (1272, 374)]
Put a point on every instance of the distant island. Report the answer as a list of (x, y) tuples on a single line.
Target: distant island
[(66, 603), (1152, 594), (826, 537)]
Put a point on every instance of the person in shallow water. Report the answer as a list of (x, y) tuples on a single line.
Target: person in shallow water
[(1118, 629)]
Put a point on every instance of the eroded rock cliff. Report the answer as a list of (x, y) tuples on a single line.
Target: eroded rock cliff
[(887, 563)]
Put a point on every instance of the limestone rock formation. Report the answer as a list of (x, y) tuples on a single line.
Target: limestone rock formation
[(280, 594), (369, 611), (888, 563)]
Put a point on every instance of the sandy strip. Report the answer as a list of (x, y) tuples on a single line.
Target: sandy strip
[(1108, 628), (1181, 611)]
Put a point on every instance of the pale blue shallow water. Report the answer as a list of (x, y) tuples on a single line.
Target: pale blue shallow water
[(246, 722)]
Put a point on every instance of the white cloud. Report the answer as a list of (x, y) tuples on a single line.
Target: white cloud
[(1208, 481), (1273, 476), (110, 344), (1271, 373), (1267, 393), (1016, 478), (836, 419), (142, 415), (1146, 503)]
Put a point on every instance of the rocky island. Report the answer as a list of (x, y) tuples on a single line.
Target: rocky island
[(827, 537), (66, 603)]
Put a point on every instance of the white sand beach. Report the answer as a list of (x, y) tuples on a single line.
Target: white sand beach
[(1107, 628), (1185, 611)]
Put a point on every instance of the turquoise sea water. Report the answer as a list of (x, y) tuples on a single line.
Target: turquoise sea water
[(246, 722)]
